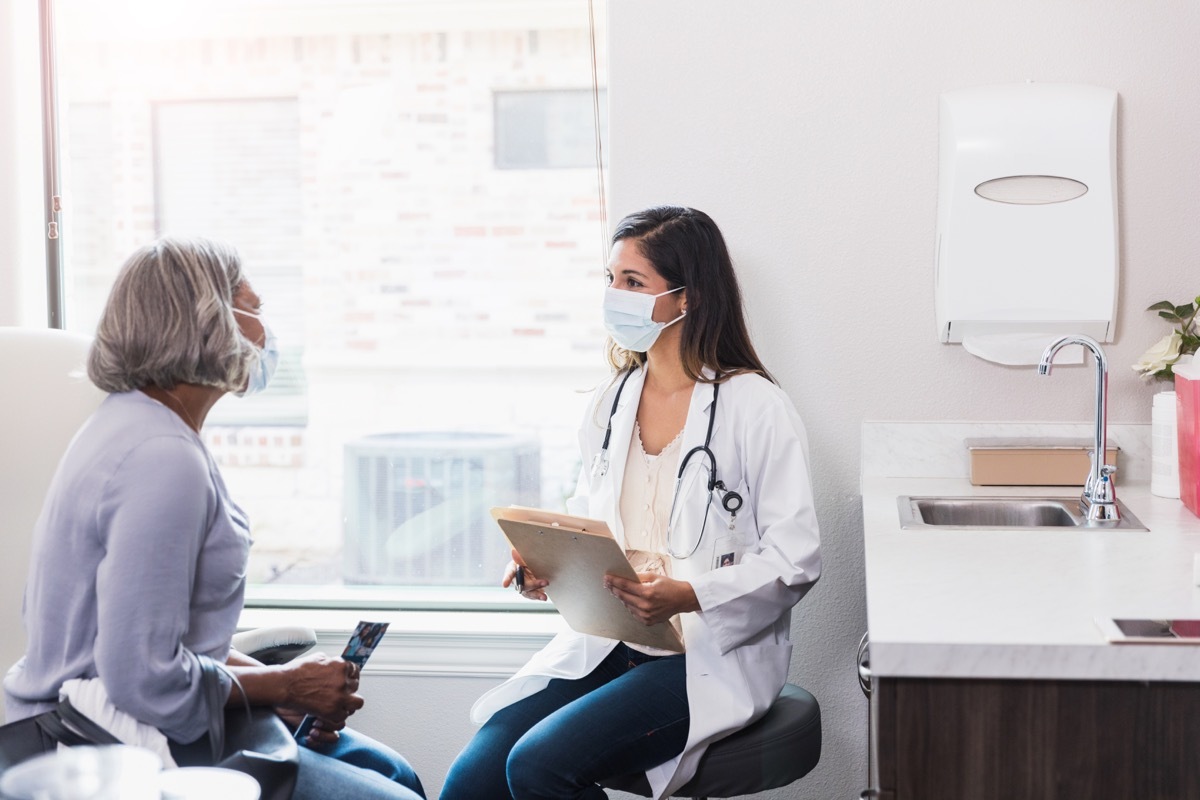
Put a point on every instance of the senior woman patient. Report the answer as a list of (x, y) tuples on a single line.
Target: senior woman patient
[(139, 556)]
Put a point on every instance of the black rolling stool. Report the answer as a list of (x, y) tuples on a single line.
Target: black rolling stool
[(778, 749)]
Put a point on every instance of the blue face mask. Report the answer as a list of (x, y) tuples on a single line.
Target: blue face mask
[(629, 318), (268, 358)]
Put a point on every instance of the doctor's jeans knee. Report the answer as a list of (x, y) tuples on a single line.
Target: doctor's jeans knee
[(358, 767), (628, 715)]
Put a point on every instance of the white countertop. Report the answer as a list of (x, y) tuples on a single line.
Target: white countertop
[(1022, 604)]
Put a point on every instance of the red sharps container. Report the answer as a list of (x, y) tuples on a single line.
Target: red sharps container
[(1187, 400)]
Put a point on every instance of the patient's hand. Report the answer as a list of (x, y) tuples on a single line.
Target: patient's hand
[(322, 686), (321, 734)]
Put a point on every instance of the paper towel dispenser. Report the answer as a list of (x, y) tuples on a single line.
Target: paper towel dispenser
[(1027, 214)]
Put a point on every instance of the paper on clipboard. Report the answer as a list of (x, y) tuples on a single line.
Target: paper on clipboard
[(574, 554)]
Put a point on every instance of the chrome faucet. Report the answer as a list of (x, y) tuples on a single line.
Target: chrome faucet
[(1099, 500)]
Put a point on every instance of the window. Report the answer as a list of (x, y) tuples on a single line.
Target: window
[(438, 309), (543, 129), (231, 169)]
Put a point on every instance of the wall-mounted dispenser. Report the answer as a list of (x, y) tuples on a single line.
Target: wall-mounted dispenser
[(1027, 217)]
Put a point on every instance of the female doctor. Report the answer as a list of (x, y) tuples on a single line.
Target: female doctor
[(698, 463)]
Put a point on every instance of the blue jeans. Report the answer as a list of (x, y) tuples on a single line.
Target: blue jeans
[(628, 715), (355, 766)]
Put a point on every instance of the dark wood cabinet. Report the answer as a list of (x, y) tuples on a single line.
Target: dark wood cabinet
[(1036, 740)]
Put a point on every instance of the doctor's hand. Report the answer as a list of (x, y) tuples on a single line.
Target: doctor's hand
[(656, 598), (532, 587)]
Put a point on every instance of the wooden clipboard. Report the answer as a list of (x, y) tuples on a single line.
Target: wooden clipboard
[(574, 554)]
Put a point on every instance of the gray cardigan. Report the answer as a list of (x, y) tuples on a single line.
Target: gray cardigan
[(139, 564)]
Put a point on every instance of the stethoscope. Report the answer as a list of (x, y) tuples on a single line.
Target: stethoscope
[(731, 501)]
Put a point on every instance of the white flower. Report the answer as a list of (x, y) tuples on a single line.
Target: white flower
[(1161, 355)]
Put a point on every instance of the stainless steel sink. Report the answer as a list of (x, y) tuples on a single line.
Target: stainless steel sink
[(1010, 513)]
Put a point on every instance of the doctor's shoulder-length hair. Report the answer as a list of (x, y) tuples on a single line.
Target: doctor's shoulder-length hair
[(169, 319), (687, 249)]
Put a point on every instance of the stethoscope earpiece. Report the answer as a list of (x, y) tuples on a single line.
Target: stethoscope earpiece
[(600, 463)]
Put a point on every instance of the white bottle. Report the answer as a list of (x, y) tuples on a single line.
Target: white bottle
[(1164, 447)]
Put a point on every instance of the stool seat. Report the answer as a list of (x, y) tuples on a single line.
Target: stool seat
[(774, 751)]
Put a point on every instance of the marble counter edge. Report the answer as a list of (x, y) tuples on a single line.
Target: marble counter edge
[(1171, 663)]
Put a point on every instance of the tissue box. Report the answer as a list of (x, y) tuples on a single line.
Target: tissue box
[(1032, 462)]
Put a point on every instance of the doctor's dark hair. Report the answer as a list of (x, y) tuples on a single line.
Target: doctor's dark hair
[(169, 320), (687, 249)]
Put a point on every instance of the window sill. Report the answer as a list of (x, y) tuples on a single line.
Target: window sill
[(477, 644), (374, 599)]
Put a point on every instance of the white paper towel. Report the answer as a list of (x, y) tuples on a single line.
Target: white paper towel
[(1164, 447), (1019, 348)]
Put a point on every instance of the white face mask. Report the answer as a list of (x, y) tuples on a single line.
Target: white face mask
[(629, 318), (268, 358)]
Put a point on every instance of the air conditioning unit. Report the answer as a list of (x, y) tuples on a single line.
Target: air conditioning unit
[(417, 505)]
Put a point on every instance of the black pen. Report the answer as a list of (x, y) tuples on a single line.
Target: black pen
[(519, 579)]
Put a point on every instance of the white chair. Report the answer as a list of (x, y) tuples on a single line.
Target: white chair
[(47, 397)]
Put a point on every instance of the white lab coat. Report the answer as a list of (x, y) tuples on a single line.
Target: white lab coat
[(738, 647)]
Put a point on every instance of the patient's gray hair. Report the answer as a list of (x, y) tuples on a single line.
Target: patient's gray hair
[(169, 319)]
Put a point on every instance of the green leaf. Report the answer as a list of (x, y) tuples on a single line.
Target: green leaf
[(1169, 315), (1184, 311), (1164, 305)]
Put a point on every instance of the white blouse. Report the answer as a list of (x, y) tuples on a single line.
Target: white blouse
[(646, 494)]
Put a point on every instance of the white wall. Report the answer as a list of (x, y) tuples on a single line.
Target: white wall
[(809, 132)]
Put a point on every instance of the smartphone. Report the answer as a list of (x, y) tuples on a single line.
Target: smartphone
[(362, 643)]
